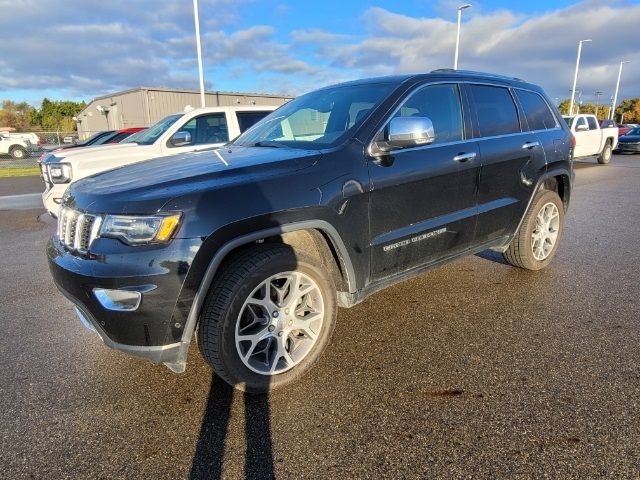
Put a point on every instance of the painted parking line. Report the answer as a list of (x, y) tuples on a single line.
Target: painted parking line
[(21, 202)]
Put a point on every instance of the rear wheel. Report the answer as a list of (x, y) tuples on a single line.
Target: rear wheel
[(605, 155), (18, 153), (536, 243), (268, 317)]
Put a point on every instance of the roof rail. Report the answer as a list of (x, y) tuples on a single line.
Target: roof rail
[(471, 72)]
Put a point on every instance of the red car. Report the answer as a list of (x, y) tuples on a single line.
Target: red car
[(104, 138), (622, 129)]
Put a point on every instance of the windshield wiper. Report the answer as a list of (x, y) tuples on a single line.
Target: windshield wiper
[(268, 143)]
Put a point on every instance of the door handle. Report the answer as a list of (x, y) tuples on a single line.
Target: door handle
[(463, 157), (530, 145)]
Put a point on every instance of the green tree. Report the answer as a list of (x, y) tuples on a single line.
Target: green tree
[(16, 115), (631, 110), (57, 115)]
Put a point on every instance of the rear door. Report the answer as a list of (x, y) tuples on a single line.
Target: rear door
[(508, 155), (423, 204)]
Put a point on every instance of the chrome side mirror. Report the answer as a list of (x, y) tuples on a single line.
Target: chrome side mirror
[(180, 139), (405, 132), (581, 128)]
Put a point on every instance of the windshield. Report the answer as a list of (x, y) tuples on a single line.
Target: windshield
[(318, 119), (150, 135), (633, 131)]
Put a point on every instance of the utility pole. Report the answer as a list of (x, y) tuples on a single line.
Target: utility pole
[(575, 75), (196, 17), (455, 57), (615, 95)]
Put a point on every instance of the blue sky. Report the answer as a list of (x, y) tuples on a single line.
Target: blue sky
[(80, 49)]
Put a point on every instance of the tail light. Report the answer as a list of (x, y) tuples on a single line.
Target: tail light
[(573, 141)]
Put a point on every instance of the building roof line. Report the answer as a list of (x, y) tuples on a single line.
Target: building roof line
[(181, 90)]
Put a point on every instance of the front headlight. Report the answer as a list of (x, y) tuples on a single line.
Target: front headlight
[(136, 230), (59, 172)]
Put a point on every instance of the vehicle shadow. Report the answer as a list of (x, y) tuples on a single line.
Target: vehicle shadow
[(493, 256), (208, 459)]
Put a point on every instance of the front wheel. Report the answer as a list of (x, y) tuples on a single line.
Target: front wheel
[(605, 155), (19, 153), (268, 317), (536, 243)]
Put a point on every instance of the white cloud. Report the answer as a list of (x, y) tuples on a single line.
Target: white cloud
[(89, 47)]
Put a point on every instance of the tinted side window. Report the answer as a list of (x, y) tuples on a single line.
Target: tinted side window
[(497, 114), (593, 125), (207, 129), (581, 121), (248, 119), (539, 117), (441, 103)]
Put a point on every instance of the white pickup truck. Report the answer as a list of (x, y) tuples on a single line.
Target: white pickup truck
[(591, 139), (197, 129), (18, 148)]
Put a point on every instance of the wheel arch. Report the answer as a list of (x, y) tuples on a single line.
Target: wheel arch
[(311, 236)]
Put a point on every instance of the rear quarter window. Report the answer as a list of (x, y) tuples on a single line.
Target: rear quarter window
[(248, 119), (536, 111), (495, 110)]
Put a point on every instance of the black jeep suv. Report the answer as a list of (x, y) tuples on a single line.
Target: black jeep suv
[(335, 195)]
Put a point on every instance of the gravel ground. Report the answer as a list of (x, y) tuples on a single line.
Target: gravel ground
[(474, 370)]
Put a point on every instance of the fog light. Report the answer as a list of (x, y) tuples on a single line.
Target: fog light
[(118, 300)]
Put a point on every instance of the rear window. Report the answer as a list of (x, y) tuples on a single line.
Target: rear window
[(497, 114), (593, 124), (249, 119), (536, 110)]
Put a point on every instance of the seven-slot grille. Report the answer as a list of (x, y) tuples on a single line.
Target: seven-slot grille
[(77, 230)]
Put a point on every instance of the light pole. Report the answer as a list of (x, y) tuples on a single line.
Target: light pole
[(575, 76), (597, 93), (455, 58), (196, 18), (615, 95)]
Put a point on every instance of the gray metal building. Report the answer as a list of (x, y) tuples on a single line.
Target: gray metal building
[(144, 106)]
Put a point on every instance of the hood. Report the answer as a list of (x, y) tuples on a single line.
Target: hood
[(146, 186), (629, 139), (90, 160)]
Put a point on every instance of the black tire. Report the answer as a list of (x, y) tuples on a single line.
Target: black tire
[(19, 153), (238, 278), (605, 155), (520, 251)]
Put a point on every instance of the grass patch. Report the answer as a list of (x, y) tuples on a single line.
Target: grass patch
[(19, 172)]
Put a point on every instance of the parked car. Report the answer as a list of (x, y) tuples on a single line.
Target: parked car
[(197, 129), (338, 194), (629, 142), (100, 138), (31, 137), (17, 147), (622, 129), (591, 139)]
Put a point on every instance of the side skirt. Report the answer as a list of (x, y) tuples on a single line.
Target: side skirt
[(347, 300)]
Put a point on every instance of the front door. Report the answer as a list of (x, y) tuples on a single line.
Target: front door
[(206, 130), (422, 203)]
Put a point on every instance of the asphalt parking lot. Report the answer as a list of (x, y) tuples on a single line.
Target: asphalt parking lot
[(473, 370)]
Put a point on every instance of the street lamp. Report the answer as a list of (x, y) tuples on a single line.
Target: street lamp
[(575, 76), (455, 58), (196, 17), (597, 93), (615, 95)]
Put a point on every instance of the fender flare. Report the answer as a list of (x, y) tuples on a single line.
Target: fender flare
[(222, 252)]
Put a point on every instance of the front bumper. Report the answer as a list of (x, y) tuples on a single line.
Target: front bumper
[(52, 197), (628, 147), (154, 330)]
